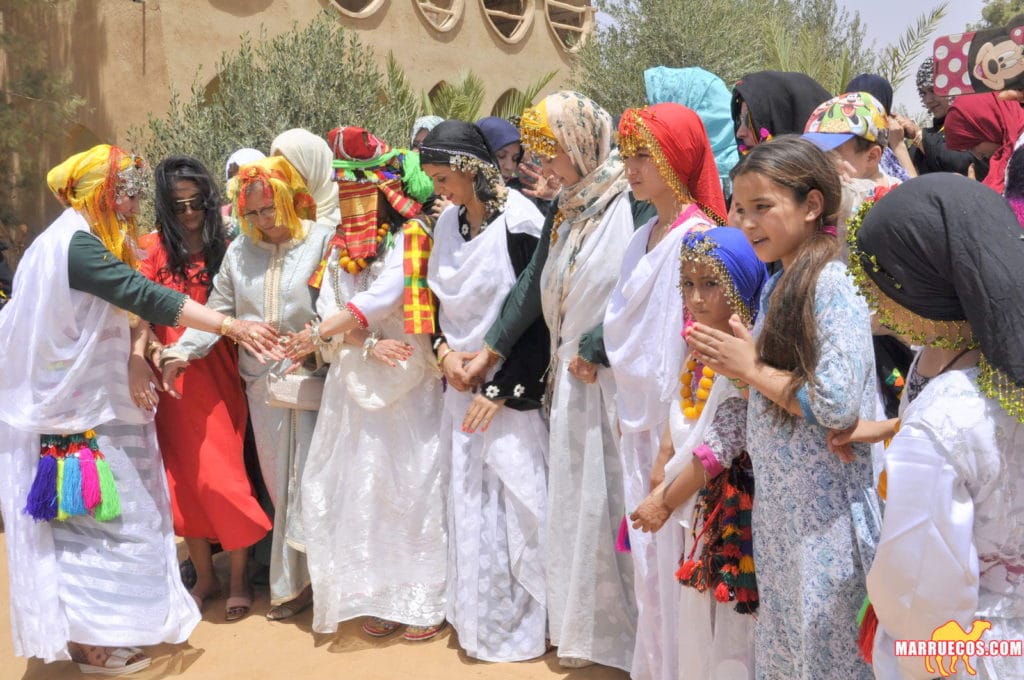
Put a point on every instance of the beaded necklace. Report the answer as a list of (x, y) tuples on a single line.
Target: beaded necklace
[(692, 408), (354, 266)]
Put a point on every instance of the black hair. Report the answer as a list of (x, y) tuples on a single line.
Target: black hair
[(169, 172)]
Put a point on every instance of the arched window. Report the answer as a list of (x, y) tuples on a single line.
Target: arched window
[(442, 15), (511, 19), (358, 9), (570, 20)]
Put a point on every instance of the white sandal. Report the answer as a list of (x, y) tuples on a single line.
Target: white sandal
[(116, 662)]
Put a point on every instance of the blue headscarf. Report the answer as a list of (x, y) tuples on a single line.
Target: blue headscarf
[(726, 248), (706, 94), (498, 131)]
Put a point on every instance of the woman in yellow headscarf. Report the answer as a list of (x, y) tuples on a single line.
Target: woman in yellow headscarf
[(264, 277), (93, 566)]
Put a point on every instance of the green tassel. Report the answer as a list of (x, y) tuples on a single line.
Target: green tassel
[(61, 513), (110, 502)]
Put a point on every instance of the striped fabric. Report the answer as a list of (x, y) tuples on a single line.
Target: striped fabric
[(418, 302), (359, 218)]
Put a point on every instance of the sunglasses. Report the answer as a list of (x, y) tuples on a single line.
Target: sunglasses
[(195, 204)]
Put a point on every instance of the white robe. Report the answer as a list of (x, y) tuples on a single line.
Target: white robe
[(642, 333), (952, 544), (375, 484), (65, 358), (591, 607), (498, 495)]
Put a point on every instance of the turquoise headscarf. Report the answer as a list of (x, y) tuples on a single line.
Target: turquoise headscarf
[(705, 93)]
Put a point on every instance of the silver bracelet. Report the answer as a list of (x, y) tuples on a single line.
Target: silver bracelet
[(369, 344)]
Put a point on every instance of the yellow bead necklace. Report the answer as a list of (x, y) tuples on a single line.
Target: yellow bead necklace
[(692, 408)]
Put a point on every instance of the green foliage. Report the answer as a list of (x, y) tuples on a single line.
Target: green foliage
[(998, 13), (316, 77), (734, 37), (899, 58), (461, 101), (36, 102), (513, 106), (722, 36), (818, 38)]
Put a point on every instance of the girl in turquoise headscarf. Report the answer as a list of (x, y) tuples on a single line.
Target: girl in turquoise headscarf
[(705, 93)]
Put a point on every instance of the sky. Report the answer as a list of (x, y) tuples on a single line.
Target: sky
[(885, 20)]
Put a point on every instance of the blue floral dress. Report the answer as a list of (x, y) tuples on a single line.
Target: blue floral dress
[(810, 568)]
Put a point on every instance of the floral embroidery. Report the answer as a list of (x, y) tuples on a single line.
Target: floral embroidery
[(492, 392), (518, 391)]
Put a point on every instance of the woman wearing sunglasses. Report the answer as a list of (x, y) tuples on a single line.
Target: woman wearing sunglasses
[(264, 276), (201, 434)]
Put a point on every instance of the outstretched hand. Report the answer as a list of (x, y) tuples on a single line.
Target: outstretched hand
[(258, 338), (536, 185), (652, 513), (172, 370), (389, 351), (734, 356)]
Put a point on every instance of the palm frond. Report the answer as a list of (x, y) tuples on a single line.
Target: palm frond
[(517, 101), (899, 56)]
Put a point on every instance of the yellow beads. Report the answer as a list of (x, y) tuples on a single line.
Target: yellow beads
[(692, 409), (355, 265)]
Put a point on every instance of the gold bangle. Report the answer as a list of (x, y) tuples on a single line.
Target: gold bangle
[(440, 359), (225, 325), (153, 347)]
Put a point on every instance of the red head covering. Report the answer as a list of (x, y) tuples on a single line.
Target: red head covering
[(677, 140), (355, 144), (977, 118)]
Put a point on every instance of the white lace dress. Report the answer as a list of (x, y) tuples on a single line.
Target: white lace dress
[(498, 494), (374, 486)]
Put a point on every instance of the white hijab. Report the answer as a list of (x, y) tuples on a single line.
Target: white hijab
[(313, 158)]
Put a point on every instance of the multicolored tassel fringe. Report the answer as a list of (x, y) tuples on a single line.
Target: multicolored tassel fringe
[(72, 479), (725, 565)]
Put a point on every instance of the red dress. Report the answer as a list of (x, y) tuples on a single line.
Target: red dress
[(201, 434)]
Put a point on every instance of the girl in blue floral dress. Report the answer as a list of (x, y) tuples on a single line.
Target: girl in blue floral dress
[(810, 369)]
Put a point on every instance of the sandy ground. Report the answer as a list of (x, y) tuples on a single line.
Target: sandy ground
[(256, 649)]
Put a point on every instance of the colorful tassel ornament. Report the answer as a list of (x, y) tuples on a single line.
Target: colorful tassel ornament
[(72, 480)]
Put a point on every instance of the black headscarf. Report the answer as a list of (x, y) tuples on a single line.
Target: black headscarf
[(461, 145), (453, 138), (948, 248), (876, 86), (780, 101)]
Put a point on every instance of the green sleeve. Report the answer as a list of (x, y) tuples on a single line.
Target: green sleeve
[(93, 269), (592, 346), (522, 304)]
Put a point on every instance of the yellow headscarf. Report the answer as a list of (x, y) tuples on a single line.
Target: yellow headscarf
[(91, 182), (535, 132), (292, 199)]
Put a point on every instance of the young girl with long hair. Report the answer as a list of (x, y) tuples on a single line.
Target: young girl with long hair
[(809, 369)]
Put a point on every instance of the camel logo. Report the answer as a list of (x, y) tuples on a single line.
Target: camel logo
[(952, 645)]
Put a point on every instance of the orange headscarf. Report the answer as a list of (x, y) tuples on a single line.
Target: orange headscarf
[(283, 182), (678, 142)]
